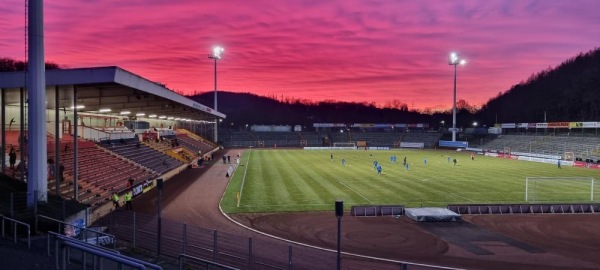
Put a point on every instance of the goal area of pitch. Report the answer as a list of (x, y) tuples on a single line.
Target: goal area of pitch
[(560, 189)]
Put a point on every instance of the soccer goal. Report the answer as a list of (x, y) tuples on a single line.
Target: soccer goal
[(559, 189), (569, 156), (344, 144)]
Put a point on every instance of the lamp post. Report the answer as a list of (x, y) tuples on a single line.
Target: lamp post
[(454, 61), (339, 213), (216, 54)]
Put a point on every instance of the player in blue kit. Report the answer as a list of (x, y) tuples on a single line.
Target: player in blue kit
[(379, 169)]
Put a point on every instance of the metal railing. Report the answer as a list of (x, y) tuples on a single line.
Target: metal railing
[(119, 259), (209, 264), (68, 239), (16, 223), (97, 233)]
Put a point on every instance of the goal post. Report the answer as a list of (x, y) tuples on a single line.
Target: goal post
[(569, 156), (559, 189), (344, 144)]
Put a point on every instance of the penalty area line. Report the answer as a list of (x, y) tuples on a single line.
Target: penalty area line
[(362, 196)]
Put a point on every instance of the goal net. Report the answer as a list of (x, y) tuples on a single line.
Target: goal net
[(569, 156), (344, 144), (559, 189)]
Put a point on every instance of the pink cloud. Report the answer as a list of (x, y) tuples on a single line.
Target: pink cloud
[(344, 50)]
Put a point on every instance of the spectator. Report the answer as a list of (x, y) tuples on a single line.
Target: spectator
[(115, 200), (128, 205), (61, 173), (51, 166), (12, 157), (130, 182)]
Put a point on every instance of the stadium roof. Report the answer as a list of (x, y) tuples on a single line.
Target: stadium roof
[(109, 87)]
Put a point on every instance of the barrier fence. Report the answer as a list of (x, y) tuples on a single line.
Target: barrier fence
[(475, 209)]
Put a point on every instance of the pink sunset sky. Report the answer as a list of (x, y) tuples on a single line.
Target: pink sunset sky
[(359, 51)]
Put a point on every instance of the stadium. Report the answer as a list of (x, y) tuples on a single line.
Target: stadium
[(107, 169), (264, 197)]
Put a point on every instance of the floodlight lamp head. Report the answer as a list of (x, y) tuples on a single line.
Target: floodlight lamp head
[(217, 52), (453, 59)]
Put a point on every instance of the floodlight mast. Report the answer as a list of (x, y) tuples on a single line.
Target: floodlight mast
[(454, 60), (217, 53)]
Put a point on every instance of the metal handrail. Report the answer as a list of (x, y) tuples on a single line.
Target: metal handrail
[(66, 238), (83, 228), (127, 258), (114, 257), (185, 256), (73, 240), (15, 229)]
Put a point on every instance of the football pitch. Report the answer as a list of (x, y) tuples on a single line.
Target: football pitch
[(307, 180)]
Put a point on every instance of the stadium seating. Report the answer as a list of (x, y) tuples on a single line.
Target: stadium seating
[(99, 173), (194, 145), (582, 147), (145, 156), (313, 139), (280, 139), (377, 139), (241, 138), (429, 139)]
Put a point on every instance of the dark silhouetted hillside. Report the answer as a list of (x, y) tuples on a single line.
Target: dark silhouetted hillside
[(246, 108), (569, 92)]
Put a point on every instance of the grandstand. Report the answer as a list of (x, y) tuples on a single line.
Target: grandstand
[(429, 139), (237, 138), (311, 139), (583, 147), (377, 139), (245, 138)]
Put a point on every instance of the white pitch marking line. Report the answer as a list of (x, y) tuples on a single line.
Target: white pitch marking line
[(355, 192), (243, 179)]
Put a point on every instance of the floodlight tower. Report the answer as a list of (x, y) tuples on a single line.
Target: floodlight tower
[(217, 53), (453, 60)]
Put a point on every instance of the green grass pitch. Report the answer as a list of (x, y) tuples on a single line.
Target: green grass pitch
[(307, 180)]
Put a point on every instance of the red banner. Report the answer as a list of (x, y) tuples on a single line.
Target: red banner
[(559, 124)]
